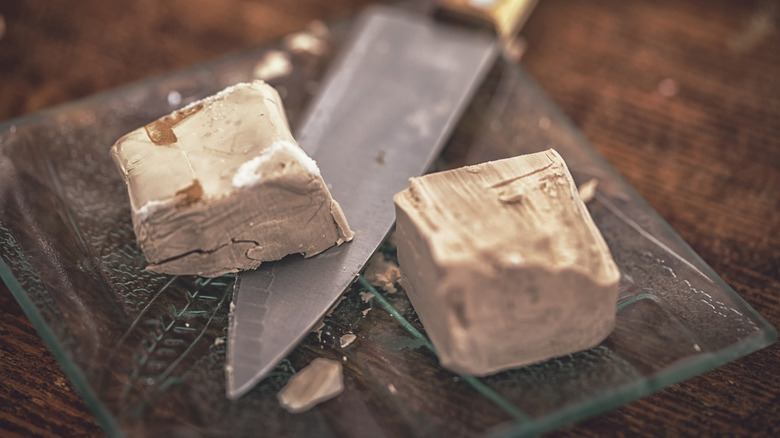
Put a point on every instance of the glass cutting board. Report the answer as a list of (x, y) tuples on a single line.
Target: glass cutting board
[(147, 351)]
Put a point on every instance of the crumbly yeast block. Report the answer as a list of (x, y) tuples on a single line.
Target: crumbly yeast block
[(221, 186), (319, 381), (504, 264)]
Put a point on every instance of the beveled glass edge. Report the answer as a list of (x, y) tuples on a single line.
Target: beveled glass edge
[(688, 368), (84, 389)]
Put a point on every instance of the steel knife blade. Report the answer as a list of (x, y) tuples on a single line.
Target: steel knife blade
[(386, 108)]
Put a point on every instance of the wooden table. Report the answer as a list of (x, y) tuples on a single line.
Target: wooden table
[(682, 97)]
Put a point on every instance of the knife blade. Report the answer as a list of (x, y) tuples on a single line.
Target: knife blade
[(385, 110)]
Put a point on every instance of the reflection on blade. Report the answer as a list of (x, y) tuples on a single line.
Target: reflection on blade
[(381, 118)]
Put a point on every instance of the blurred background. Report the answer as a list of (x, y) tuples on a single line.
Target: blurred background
[(681, 96)]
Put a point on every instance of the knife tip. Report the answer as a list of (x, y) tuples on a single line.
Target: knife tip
[(240, 381), (236, 390)]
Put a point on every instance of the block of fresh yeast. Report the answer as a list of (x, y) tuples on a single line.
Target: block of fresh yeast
[(503, 263), (221, 186)]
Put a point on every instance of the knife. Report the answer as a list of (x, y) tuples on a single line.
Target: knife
[(385, 110)]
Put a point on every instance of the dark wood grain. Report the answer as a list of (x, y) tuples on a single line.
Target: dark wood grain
[(682, 97)]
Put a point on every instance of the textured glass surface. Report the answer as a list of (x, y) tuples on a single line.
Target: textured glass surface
[(147, 351)]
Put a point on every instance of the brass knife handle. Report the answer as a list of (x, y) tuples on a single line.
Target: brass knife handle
[(504, 16)]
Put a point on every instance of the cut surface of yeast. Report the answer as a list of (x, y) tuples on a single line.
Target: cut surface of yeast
[(221, 186), (503, 263)]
